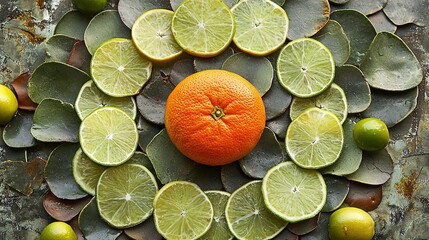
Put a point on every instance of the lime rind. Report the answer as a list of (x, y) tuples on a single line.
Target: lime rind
[(261, 26), (305, 67), (152, 35), (293, 193)]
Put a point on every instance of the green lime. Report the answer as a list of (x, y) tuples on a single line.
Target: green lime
[(91, 98), (151, 33), (125, 194), (203, 28), (315, 138), (90, 7), (350, 223), (332, 99), (293, 193), (247, 215), (182, 211), (86, 172), (118, 69), (371, 134), (261, 26), (108, 136), (305, 67), (8, 104), (219, 228), (58, 230)]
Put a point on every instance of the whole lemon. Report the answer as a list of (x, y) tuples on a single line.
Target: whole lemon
[(371, 134), (58, 230), (350, 223), (8, 104)]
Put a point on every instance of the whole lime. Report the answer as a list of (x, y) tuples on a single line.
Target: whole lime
[(58, 230), (371, 134), (350, 223), (90, 7), (8, 104)]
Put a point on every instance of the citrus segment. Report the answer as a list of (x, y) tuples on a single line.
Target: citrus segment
[(182, 211), (151, 33), (219, 228), (315, 138), (118, 69), (215, 117), (125, 194), (108, 136), (203, 28), (293, 193), (261, 26), (305, 67)]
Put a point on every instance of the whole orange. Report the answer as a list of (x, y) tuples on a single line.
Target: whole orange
[(215, 117)]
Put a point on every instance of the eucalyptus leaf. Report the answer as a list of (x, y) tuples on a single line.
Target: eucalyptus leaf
[(58, 48), (145, 230), (8, 153), (285, 234), (130, 10), (364, 196), (339, 1), (392, 107), (382, 23), (276, 100), (147, 131), (279, 2), (59, 172), (365, 7), (63, 209), (181, 69), (201, 64), (401, 13), (390, 65), (55, 121), (104, 26), (72, 24), (305, 226), (80, 57), (321, 231), (56, 80), (337, 191), (375, 168), (306, 17), (359, 31), (257, 70), (233, 177), (17, 133), (280, 124)]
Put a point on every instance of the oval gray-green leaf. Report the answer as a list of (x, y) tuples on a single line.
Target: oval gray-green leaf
[(321, 231), (59, 172), (80, 57), (353, 82), (276, 100), (365, 7), (233, 177), (104, 26), (130, 10), (339, 1), (147, 131), (306, 17), (392, 107), (335, 39), (55, 121), (56, 80), (93, 227), (337, 190), (390, 64), (257, 70), (382, 23), (375, 168), (17, 133), (181, 69), (351, 155), (305, 226), (401, 13), (58, 48), (201, 64), (145, 230), (266, 154), (280, 124), (359, 31), (72, 24), (279, 2)]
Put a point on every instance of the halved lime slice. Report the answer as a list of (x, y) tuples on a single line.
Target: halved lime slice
[(151, 33), (315, 138), (91, 98), (203, 28), (293, 193), (305, 67), (248, 217), (108, 136), (118, 69), (182, 211), (86, 172), (125, 194), (332, 99), (219, 228), (261, 26)]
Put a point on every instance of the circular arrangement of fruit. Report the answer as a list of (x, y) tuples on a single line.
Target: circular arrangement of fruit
[(211, 119)]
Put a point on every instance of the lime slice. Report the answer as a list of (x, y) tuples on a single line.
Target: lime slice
[(125, 194), (247, 215), (332, 99), (219, 228), (293, 193), (261, 26), (315, 138), (182, 211), (91, 98), (151, 33), (118, 69), (203, 28), (305, 67), (108, 136), (86, 172)]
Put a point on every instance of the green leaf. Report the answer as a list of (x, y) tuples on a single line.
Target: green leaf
[(17, 133), (72, 24), (58, 48)]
